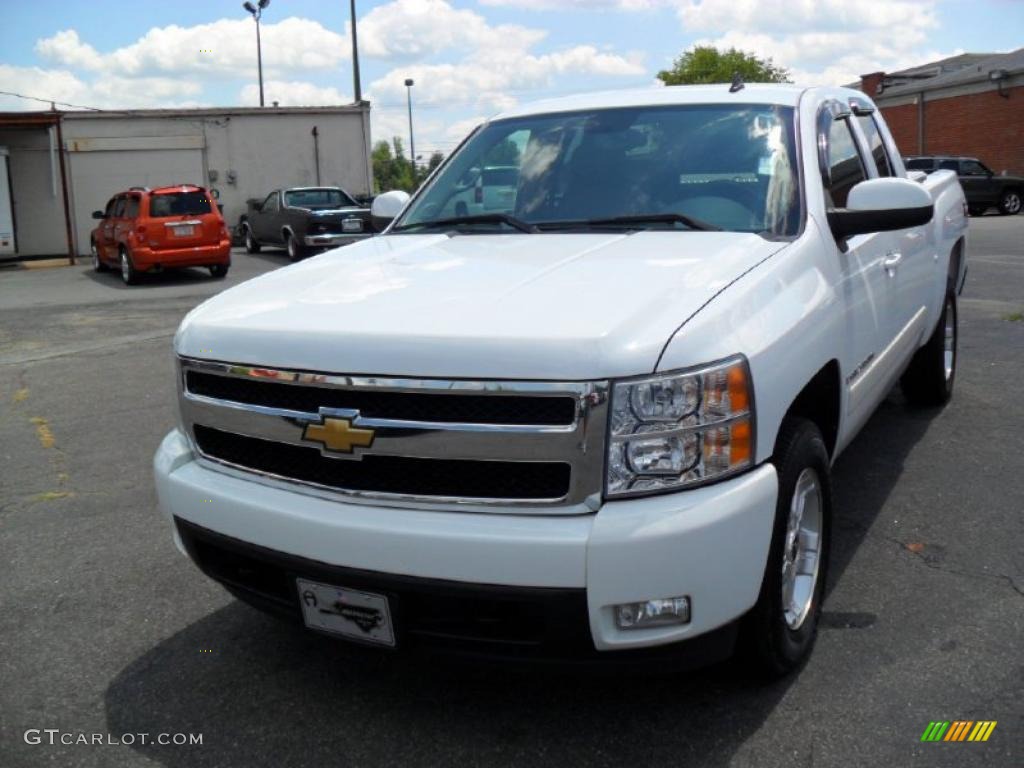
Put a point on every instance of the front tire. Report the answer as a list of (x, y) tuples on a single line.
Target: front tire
[(1010, 202), (128, 273), (778, 633), (928, 381), (251, 244)]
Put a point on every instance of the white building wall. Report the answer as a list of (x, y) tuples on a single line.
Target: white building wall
[(251, 152)]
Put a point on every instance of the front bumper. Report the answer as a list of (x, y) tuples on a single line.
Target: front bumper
[(334, 240), (708, 543)]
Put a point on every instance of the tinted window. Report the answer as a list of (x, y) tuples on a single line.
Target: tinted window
[(179, 204), (875, 144), (733, 166), (270, 204), (973, 168), (844, 164), (110, 206), (919, 164), (131, 209), (119, 207), (949, 165), (317, 198)]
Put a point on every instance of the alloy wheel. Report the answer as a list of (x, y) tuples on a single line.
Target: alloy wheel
[(802, 549)]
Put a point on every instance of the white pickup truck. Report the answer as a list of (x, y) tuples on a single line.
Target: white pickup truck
[(597, 423)]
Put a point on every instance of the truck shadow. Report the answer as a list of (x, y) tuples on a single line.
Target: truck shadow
[(263, 692), (267, 693)]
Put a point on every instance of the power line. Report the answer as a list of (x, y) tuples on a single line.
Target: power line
[(49, 101)]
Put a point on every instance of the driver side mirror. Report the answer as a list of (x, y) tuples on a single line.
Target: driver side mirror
[(881, 205), (98, 215), (386, 207)]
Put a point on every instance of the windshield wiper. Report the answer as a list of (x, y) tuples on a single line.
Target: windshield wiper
[(643, 218), (483, 218)]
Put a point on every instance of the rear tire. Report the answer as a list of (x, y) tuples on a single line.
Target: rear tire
[(778, 633), (929, 379), (251, 244), (1010, 202), (294, 247), (128, 273), (219, 271), (976, 210)]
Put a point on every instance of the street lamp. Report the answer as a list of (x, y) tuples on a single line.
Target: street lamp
[(412, 144), (257, 11)]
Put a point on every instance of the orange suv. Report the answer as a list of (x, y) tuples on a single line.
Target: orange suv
[(150, 230)]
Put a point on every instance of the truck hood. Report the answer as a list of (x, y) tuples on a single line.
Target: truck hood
[(543, 306)]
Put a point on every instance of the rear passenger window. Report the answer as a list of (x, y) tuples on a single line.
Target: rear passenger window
[(920, 164), (875, 144), (845, 168), (179, 204), (949, 165)]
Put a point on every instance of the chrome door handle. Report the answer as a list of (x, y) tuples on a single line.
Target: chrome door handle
[(891, 261)]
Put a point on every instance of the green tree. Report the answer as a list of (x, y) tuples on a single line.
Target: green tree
[(391, 169), (707, 64)]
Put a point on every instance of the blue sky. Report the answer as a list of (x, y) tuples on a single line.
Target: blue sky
[(469, 59)]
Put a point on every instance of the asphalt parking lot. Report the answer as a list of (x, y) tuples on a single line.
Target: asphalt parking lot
[(105, 628)]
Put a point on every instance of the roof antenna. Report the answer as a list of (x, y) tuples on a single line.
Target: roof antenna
[(737, 83)]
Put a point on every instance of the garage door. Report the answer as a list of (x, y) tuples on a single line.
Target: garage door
[(102, 167)]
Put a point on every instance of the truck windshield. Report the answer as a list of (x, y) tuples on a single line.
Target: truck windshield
[(730, 167), (317, 198)]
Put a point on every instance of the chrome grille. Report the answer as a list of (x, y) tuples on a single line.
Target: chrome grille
[(445, 442)]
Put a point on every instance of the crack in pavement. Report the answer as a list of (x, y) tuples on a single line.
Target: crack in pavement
[(920, 556)]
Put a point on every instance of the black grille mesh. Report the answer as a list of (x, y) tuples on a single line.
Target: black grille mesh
[(390, 474), (411, 406)]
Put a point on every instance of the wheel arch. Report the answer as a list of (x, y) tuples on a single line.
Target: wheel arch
[(819, 402)]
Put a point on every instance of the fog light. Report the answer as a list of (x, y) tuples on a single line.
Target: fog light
[(653, 613)]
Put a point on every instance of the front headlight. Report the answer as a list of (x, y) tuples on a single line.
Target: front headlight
[(679, 429)]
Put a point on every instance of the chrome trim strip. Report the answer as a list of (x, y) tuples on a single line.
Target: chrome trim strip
[(579, 444), (190, 223)]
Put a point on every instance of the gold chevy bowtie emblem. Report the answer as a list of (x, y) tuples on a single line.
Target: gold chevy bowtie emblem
[(338, 435)]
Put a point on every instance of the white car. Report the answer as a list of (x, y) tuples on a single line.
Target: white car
[(599, 426)]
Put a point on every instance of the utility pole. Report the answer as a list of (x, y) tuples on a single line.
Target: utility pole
[(357, 87)]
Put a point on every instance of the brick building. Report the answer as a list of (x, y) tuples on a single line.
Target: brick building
[(972, 105)]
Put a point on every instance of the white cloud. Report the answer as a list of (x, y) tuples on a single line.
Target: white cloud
[(820, 41), (226, 47), (582, 5), (293, 93), (110, 92), (419, 28)]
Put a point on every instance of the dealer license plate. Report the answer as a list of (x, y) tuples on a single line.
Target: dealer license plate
[(353, 614), (186, 230), (352, 225)]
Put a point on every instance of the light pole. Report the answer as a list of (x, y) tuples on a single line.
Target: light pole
[(257, 11), (412, 144)]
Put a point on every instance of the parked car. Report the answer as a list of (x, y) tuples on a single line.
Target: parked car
[(983, 188), (304, 219), (151, 230), (598, 425)]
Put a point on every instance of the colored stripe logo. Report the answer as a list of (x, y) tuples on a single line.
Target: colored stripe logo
[(958, 730)]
